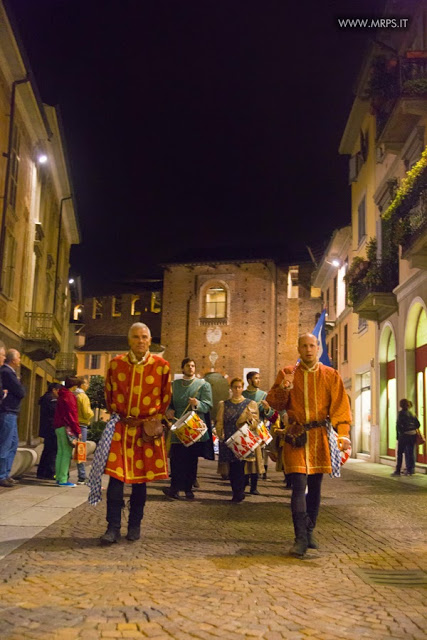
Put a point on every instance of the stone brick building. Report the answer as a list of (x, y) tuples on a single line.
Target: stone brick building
[(233, 316)]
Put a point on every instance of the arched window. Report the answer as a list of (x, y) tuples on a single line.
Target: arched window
[(215, 302), (78, 312), (136, 306)]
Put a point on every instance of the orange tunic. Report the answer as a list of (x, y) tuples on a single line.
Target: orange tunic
[(317, 394), (138, 391)]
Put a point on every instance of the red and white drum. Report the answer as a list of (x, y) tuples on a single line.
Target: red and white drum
[(189, 428), (243, 442), (264, 433), (345, 455)]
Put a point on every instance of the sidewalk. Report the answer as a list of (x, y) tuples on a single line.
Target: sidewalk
[(33, 505)]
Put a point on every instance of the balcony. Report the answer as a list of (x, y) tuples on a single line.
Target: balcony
[(370, 290), (414, 234), (399, 106), (41, 335), (66, 365)]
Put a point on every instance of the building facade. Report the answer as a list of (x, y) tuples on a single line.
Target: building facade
[(38, 225), (237, 316), (386, 140)]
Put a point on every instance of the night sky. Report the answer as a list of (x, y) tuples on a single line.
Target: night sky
[(202, 125)]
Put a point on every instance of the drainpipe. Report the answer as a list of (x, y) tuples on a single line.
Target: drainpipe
[(6, 180), (57, 250)]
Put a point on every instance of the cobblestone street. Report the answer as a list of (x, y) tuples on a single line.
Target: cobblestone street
[(210, 569)]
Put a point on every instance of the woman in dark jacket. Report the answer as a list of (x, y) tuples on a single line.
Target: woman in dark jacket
[(406, 426), (46, 468)]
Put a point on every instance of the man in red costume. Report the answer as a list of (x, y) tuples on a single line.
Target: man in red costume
[(138, 389), (314, 397)]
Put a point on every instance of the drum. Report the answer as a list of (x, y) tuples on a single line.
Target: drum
[(243, 442), (345, 455), (264, 433), (189, 428)]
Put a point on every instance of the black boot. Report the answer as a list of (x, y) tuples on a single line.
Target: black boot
[(135, 516), (311, 540), (114, 518), (254, 484), (299, 547)]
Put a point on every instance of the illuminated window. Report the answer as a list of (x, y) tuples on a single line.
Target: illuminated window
[(77, 312), (117, 306), (293, 289), (156, 302), (216, 302), (97, 309), (135, 308)]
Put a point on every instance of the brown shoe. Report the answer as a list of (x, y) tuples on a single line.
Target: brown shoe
[(6, 483), (13, 481)]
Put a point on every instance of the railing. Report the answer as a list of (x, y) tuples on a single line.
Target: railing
[(66, 362), (414, 224), (38, 326), (376, 277)]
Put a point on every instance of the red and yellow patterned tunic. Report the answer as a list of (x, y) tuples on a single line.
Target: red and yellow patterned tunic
[(137, 390), (317, 394)]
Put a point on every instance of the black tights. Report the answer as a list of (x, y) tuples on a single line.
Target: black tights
[(310, 503), (115, 502)]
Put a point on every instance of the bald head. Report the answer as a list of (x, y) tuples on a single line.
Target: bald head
[(308, 348)]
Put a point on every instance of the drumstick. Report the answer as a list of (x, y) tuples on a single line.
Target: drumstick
[(292, 372)]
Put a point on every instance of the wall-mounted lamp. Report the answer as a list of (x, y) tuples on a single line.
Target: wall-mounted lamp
[(42, 158), (71, 281), (334, 262)]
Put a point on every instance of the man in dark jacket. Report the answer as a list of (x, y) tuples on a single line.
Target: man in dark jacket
[(46, 468), (9, 410), (406, 428)]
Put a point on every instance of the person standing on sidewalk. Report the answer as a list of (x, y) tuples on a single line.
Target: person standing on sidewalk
[(9, 410), (316, 401), (85, 416), (2, 359), (48, 401), (253, 392), (188, 394), (406, 428), (67, 429), (138, 392)]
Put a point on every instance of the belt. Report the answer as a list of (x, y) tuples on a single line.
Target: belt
[(315, 424)]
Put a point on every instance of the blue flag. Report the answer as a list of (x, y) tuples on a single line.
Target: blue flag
[(320, 332)]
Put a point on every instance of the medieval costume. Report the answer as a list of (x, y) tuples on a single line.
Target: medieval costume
[(139, 392), (315, 401), (184, 459), (232, 414)]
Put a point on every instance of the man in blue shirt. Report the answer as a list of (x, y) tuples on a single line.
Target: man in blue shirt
[(9, 409)]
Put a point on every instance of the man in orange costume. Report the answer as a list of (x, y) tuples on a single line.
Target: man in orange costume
[(314, 397), (137, 388)]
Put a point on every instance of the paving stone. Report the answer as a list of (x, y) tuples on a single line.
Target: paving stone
[(211, 570)]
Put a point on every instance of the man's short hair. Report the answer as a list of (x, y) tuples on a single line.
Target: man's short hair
[(138, 325), (251, 374), (53, 385), (81, 380), (11, 354), (186, 361), (405, 404), (72, 381)]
